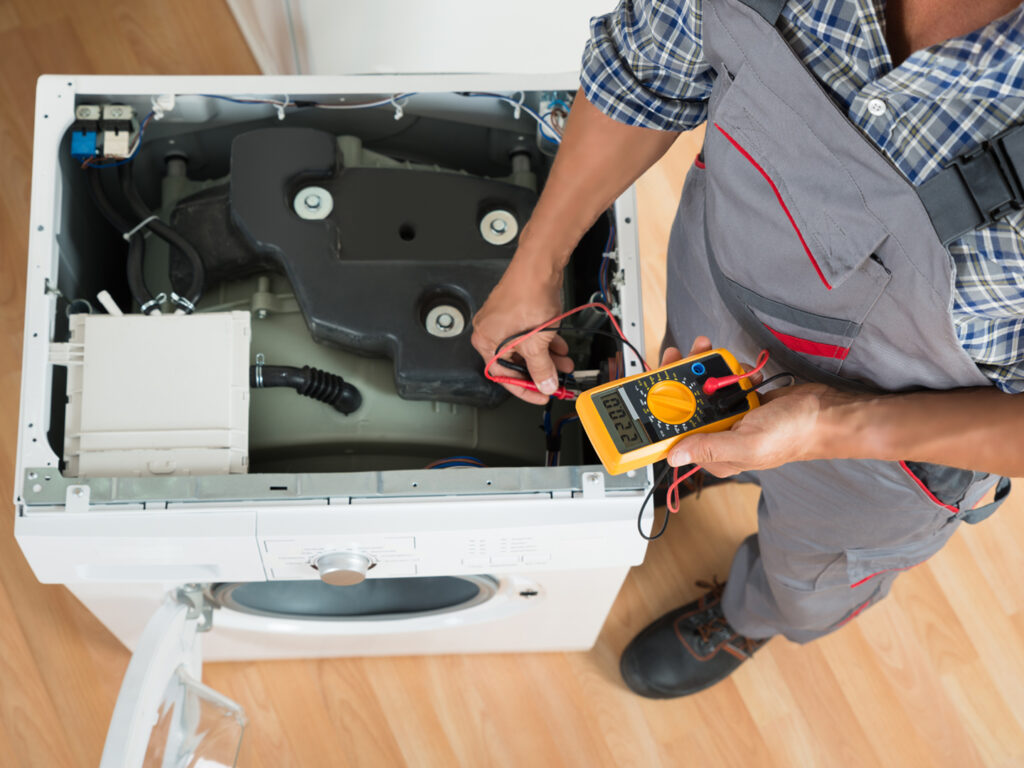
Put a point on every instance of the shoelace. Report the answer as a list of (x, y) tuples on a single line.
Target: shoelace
[(715, 623)]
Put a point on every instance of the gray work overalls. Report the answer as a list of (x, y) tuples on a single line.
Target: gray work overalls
[(798, 235)]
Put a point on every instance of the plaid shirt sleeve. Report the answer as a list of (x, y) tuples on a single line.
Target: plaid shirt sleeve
[(644, 64)]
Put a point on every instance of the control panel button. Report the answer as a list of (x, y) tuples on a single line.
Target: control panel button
[(671, 402)]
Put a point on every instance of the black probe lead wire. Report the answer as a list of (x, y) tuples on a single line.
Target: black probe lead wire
[(574, 329), (640, 515), (741, 395)]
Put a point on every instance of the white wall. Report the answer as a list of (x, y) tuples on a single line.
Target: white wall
[(415, 36)]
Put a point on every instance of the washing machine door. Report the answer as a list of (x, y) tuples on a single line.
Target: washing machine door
[(164, 716)]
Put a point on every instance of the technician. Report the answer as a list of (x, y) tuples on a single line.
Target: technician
[(856, 210)]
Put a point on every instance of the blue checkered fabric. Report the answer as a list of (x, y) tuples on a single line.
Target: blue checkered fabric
[(643, 65)]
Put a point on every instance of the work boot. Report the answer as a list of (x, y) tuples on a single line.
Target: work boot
[(686, 650)]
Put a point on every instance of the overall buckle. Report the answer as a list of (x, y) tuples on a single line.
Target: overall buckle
[(993, 174)]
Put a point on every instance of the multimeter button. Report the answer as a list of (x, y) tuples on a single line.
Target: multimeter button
[(671, 402)]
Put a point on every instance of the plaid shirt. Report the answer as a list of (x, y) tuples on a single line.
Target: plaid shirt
[(643, 66)]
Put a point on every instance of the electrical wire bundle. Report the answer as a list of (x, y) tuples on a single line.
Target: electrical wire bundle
[(557, 115), (546, 122), (89, 161)]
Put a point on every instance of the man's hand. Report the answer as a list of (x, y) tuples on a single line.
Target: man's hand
[(597, 160), (785, 428), (521, 301), (977, 428)]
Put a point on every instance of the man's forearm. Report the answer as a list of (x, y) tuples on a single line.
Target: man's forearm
[(598, 159), (978, 428)]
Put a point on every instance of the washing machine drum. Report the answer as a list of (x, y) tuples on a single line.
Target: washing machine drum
[(398, 598)]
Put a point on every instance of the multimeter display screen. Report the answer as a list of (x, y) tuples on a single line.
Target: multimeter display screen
[(623, 429)]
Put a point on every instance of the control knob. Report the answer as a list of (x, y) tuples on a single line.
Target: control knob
[(343, 569)]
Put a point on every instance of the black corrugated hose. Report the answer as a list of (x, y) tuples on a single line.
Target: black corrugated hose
[(311, 382)]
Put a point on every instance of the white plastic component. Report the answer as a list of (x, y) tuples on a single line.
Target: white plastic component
[(88, 112), (118, 112), (108, 303), (117, 143), (165, 395), (162, 104)]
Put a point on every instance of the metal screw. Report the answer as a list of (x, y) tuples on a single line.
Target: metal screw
[(77, 491), (499, 227), (313, 203), (261, 314), (445, 321)]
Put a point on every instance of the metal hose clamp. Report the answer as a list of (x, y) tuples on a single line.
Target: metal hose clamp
[(258, 375), (153, 303), (182, 302)]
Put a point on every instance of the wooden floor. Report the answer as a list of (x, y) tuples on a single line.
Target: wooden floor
[(934, 676)]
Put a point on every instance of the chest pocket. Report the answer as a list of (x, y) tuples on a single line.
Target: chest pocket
[(788, 226)]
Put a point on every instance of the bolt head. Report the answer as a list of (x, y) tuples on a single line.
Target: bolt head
[(445, 321), (498, 226), (261, 314), (77, 492), (312, 201)]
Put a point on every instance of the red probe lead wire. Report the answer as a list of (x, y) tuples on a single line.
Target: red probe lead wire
[(672, 497), (561, 393), (713, 384)]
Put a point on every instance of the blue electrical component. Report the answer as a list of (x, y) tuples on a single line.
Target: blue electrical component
[(83, 144)]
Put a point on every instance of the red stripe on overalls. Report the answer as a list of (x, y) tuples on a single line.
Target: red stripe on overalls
[(782, 203), (808, 347), (931, 496), (924, 488)]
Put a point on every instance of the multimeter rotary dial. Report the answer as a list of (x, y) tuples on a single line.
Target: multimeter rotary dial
[(671, 402)]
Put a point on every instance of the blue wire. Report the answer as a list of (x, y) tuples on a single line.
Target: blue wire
[(458, 461), (562, 423), (544, 126), (134, 152), (560, 103), (234, 100), (602, 278)]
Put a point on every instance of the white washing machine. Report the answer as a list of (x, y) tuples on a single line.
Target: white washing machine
[(200, 513)]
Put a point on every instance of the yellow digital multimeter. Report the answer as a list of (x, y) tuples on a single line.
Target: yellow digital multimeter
[(633, 422)]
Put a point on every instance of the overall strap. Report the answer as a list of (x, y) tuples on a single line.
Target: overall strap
[(978, 187), (769, 10), (976, 515)]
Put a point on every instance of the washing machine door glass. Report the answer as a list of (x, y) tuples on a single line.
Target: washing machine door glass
[(370, 600), (164, 715)]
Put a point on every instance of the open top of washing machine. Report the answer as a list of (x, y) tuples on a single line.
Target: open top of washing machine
[(278, 387)]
